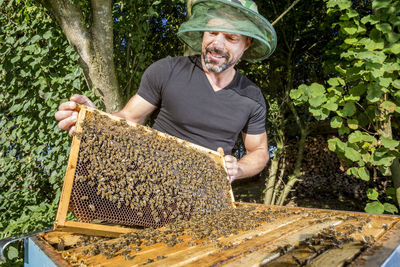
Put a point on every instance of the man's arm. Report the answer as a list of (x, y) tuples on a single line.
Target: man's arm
[(253, 162), (137, 109)]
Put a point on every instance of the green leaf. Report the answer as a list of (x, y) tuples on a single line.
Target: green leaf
[(317, 101), (47, 34), (358, 90), (384, 27), (363, 173), (370, 19), (352, 171), (342, 4), (337, 81), (372, 56), (385, 170), (352, 124), (331, 105), (390, 208), (374, 93), (391, 192), (343, 130), (349, 109), (351, 41), (336, 122), (388, 106), (317, 89), (379, 4), (375, 207), (35, 39), (385, 82), (389, 143), (392, 37), (350, 29), (358, 136), (396, 84), (381, 156), (351, 13), (395, 48), (352, 154), (12, 252), (372, 194)]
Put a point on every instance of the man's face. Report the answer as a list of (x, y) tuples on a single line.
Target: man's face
[(221, 50)]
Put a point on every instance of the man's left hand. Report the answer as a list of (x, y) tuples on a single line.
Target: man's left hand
[(232, 166)]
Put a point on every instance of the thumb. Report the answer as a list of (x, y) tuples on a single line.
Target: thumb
[(220, 150)]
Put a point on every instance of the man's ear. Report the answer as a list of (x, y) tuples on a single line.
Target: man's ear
[(248, 42)]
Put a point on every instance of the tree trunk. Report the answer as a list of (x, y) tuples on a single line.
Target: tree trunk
[(270, 185), (94, 44), (273, 170), (395, 169), (297, 169), (386, 131)]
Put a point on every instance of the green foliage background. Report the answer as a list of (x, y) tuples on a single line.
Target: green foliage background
[(361, 92), (38, 71)]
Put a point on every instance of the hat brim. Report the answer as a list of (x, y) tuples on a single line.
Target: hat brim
[(263, 34)]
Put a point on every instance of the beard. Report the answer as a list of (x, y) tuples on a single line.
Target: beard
[(213, 66)]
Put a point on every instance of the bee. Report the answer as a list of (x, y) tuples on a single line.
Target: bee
[(92, 208), (160, 257), (84, 198)]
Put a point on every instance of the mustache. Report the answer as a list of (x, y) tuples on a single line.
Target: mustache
[(218, 51)]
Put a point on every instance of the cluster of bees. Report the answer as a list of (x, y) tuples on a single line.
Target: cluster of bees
[(329, 238), (218, 230), (132, 175), (198, 231)]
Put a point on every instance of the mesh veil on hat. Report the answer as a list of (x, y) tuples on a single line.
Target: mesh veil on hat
[(232, 16)]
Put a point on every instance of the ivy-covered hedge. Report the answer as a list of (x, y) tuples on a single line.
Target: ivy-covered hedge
[(38, 69)]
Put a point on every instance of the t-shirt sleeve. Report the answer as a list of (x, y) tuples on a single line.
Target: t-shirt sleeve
[(154, 80), (256, 122)]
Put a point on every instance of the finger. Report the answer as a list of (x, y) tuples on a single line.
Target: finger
[(69, 105), (63, 114), (82, 99), (229, 158), (67, 123), (71, 131), (220, 150)]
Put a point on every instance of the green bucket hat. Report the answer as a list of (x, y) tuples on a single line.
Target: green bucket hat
[(232, 16)]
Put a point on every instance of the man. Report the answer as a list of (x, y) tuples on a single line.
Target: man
[(204, 99)]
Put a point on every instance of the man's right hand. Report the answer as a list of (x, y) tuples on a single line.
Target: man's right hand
[(67, 114)]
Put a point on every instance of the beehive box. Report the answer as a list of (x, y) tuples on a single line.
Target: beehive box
[(121, 174), (250, 235)]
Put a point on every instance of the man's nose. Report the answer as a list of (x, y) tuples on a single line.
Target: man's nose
[(219, 40)]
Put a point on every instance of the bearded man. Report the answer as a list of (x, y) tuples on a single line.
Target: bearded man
[(204, 99)]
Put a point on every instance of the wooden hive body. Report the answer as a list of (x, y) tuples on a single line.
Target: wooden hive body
[(266, 236)]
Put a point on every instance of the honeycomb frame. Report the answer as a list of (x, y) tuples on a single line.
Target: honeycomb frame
[(71, 185)]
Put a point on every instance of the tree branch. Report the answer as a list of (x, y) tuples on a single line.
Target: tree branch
[(69, 17), (284, 13)]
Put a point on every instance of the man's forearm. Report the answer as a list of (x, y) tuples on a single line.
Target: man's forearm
[(252, 163)]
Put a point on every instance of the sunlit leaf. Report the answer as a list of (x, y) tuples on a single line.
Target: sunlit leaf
[(374, 207), (390, 208), (372, 194)]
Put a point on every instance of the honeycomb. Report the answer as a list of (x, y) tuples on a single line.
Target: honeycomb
[(135, 176)]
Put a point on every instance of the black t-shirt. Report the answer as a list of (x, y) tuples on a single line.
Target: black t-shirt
[(190, 109)]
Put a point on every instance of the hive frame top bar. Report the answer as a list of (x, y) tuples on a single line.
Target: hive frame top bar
[(62, 223)]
